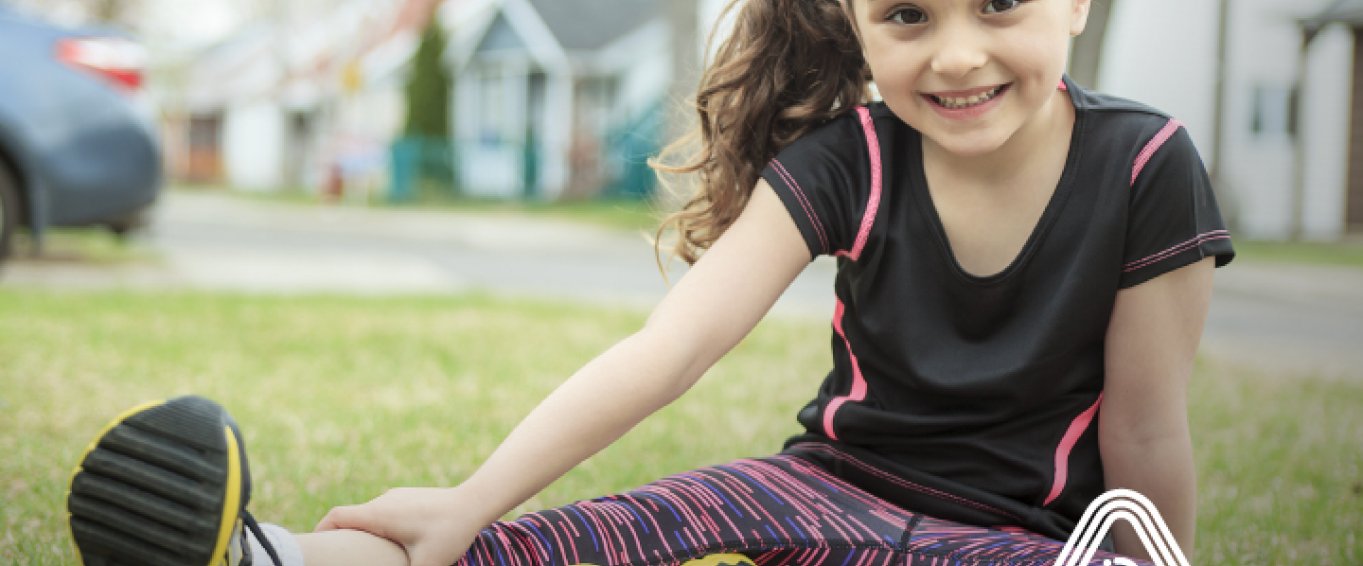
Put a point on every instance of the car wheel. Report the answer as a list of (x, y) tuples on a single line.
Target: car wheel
[(9, 211), (122, 227)]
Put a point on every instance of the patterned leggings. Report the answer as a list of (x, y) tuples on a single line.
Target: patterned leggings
[(781, 510)]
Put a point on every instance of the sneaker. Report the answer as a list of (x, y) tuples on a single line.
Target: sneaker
[(165, 483)]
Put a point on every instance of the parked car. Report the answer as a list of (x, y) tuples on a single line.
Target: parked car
[(77, 144)]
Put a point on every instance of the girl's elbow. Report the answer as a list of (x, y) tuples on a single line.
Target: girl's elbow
[(1144, 436), (677, 362)]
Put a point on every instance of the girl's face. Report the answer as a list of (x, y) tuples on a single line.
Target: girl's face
[(968, 74)]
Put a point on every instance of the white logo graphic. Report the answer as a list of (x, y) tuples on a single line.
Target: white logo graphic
[(1133, 508)]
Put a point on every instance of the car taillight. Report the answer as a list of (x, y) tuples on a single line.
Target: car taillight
[(117, 60)]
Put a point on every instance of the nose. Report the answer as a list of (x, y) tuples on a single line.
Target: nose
[(959, 50)]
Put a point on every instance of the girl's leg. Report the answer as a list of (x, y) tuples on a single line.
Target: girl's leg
[(784, 509), (168, 483), (778, 510), (349, 548)]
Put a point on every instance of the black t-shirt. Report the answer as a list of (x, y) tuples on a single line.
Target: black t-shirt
[(983, 392)]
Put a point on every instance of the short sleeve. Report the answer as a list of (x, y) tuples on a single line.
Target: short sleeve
[(823, 179), (1173, 219)]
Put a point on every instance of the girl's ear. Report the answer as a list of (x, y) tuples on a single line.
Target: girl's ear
[(1079, 16)]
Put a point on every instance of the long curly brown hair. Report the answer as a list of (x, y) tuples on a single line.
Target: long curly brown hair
[(788, 66)]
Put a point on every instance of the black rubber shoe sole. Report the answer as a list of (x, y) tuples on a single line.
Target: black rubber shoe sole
[(161, 485)]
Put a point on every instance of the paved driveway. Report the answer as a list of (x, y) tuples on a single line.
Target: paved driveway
[(1282, 319)]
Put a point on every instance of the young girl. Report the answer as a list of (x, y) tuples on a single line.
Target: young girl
[(1024, 271)]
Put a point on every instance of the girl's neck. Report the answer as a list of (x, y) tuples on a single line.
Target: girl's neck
[(1050, 126)]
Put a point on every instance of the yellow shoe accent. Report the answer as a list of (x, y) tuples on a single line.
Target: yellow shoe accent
[(720, 560), (231, 505), (71, 535), (711, 560)]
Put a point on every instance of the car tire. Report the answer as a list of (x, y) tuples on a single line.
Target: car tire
[(9, 211), (123, 227)]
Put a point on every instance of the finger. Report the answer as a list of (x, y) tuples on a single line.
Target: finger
[(343, 517)]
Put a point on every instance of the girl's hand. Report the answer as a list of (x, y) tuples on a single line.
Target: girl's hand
[(426, 522)]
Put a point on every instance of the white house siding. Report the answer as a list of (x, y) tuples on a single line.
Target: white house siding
[(556, 134), (644, 65), (1327, 129), (1163, 53), (710, 11), (253, 145), (493, 100)]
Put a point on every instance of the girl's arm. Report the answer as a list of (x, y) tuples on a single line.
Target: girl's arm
[(719, 300), (1143, 424)]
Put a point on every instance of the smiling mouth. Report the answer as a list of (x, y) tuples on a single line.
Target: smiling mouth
[(960, 102)]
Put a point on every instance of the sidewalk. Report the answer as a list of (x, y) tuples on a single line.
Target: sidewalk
[(1288, 319), (221, 242)]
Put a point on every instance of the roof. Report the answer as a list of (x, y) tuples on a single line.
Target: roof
[(593, 24), (1340, 11)]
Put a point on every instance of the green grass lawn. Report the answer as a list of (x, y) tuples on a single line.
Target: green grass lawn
[(1345, 254), (90, 246), (341, 398)]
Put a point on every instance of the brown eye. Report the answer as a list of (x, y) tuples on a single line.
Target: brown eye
[(908, 15), (997, 6)]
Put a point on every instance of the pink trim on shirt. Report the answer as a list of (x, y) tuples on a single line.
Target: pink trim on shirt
[(1152, 146), (1174, 250), (804, 202), (868, 219), (1062, 452), (858, 392)]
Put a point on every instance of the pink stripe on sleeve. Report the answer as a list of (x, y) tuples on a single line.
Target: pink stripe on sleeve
[(804, 202), (1143, 158), (1062, 452), (858, 392), (868, 219), (1176, 249)]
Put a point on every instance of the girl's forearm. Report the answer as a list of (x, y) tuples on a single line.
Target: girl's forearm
[(1162, 470), (597, 405)]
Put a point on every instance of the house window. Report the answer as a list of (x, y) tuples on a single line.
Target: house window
[(1274, 111)]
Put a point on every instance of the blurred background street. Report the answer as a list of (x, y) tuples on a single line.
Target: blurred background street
[(1287, 318), (214, 241)]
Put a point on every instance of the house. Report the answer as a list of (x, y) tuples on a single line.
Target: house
[(550, 104), (1333, 23), (1164, 53), (311, 105)]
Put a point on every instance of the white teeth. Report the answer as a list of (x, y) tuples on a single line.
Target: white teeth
[(965, 102)]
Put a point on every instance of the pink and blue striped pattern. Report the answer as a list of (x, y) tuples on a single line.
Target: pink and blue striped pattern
[(781, 510)]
